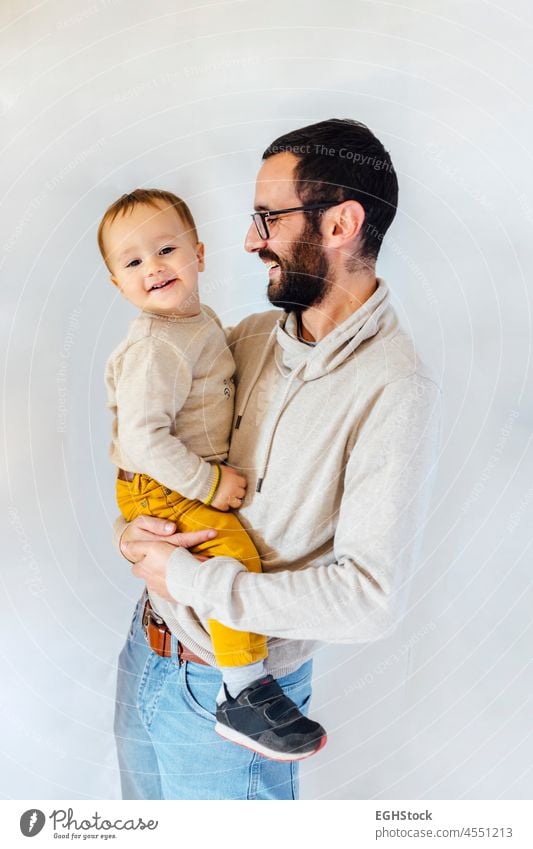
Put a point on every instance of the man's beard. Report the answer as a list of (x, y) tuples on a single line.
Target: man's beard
[(303, 280)]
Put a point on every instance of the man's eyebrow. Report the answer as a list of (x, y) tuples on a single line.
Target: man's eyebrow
[(259, 208)]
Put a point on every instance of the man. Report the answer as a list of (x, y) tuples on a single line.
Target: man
[(336, 432)]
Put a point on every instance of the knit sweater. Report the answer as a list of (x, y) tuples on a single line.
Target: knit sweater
[(338, 442), (170, 389)]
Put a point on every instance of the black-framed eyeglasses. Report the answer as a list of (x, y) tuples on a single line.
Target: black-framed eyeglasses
[(261, 219)]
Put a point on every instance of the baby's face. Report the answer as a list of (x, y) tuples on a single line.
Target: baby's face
[(154, 261)]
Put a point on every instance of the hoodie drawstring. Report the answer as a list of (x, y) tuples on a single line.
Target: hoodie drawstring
[(264, 465), (255, 378)]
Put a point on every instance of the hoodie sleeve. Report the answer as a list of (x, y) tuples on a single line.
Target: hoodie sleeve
[(360, 595)]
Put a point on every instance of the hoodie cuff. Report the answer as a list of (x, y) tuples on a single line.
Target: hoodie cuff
[(203, 586), (214, 480), (182, 568)]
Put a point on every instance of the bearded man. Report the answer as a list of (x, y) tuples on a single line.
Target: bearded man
[(336, 432)]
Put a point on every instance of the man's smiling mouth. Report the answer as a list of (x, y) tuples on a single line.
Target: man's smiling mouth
[(271, 265)]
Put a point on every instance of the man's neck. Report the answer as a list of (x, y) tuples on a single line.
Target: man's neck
[(346, 297)]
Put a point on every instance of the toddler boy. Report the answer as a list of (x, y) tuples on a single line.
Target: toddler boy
[(170, 388)]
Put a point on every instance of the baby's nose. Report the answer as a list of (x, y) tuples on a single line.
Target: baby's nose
[(154, 264)]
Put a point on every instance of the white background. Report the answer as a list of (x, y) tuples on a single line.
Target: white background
[(98, 98)]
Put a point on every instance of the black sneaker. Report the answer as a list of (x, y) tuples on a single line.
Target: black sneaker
[(265, 720)]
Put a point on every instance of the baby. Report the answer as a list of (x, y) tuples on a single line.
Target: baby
[(170, 388)]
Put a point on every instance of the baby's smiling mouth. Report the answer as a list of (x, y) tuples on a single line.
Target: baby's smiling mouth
[(158, 286)]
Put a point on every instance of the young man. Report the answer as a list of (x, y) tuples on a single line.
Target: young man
[(337, 432)]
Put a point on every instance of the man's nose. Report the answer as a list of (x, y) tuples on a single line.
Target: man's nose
[(253, 241)]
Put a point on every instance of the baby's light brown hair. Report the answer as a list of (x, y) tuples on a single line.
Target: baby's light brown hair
[(149, 197)]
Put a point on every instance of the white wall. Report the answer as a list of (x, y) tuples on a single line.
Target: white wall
[(100, 97)]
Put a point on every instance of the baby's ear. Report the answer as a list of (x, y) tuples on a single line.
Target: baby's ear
[(200, 255), (114, 281)]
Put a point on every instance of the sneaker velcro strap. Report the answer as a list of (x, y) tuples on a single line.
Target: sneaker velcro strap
[(282, 709), (265, 692)]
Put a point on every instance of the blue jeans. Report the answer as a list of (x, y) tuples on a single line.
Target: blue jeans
[(164, 729)]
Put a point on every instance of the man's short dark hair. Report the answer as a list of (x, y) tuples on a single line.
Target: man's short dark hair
[(341, 159)]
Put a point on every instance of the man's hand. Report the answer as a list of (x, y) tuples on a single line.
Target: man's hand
[(230, 491), (148, 542)]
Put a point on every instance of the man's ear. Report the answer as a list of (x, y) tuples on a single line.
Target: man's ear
[(343, 223), (200, 255)]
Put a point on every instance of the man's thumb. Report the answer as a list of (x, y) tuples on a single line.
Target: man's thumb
[(128, 550)]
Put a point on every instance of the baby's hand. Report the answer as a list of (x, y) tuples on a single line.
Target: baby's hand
[(231, 489)]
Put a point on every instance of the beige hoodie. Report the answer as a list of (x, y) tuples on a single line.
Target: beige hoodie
[(338, 442)]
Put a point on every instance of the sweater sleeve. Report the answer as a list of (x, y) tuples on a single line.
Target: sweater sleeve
[(154, 380), (359, 595)]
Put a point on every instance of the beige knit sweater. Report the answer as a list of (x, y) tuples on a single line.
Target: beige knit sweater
[(170, 389)]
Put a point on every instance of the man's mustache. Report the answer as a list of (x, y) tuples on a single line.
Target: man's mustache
[(266, 255)]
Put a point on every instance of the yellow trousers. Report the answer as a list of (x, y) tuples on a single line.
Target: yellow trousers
[(145, 496)]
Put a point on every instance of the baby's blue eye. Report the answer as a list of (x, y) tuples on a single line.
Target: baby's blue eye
[(133, 263), (166, 250)]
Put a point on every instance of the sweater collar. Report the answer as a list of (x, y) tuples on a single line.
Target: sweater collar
[(314, 361)]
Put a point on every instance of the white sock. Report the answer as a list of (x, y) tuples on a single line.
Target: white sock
[(236, 678)]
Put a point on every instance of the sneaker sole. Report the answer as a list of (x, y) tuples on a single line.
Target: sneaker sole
[(247, 742)]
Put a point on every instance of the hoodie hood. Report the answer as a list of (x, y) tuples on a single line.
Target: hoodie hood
[(315, 361), (299, 362)]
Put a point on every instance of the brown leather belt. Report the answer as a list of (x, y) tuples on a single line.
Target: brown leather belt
[(125, 476), (159, 637)]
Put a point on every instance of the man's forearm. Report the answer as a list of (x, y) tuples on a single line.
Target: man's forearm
[(336, 603)]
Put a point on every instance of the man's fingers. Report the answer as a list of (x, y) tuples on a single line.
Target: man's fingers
[(138, 549), (191, 538), (162, 527), (152, 528), (134, 551)]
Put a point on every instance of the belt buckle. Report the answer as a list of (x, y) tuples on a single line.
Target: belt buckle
[(150, 616), (157, 632)]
